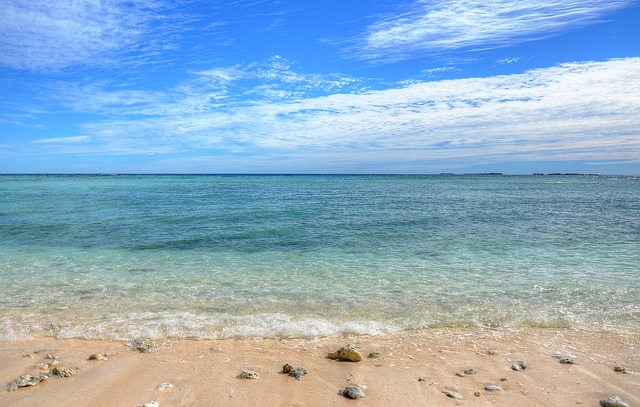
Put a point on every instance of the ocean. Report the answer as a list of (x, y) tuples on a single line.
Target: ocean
[(271, 256)]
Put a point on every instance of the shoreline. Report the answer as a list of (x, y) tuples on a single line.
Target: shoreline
[(409, 368)]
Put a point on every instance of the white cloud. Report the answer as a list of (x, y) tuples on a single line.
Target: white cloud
[(62, 140), (44, 35), (431, 27), (575, 111)]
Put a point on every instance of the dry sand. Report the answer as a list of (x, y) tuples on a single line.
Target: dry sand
[(414, 369)]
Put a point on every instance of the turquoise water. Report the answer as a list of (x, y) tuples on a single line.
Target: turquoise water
[(313, 256)]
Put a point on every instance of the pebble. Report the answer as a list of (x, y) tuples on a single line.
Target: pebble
[(621, 369), (519, 365), (298, 372), (348, 352), (567, 361), (248, 374), (453, 394), (493, 388), (143, 345), (96, 356), (151, 404), (164, 386), (614, 401), (62, 371), (352, 392), (467, 372)]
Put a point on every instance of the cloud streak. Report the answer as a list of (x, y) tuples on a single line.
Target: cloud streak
[(575, 111), (41, 35), (431, 27)]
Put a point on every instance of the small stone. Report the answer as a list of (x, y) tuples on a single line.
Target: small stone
[(453, 394), (298, 372), (375, 355), (477, 394), (143, 345), (492, 352), (151, 404), (621, 369), (614, 401), (52, 357), (467, 372), (503, 379), (519, 365), (422, 379), (493, 388), (248, 374), (26, 381), (30, 356), (566, 361), (349, 353), (97, 356), (62, 371), (164, 386), (352, 392)]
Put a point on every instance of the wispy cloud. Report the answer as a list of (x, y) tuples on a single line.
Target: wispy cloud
[(432, 27), (42, 35), (575, 111), (62, 140)]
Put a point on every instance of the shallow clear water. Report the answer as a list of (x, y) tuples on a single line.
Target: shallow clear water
[(308, 256)]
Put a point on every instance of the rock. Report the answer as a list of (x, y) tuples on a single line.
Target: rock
[(519, 365), (614, 401), (52, 357), (349, 353), (164, 386), (621, 369), (298, 373), (352, 392), (151, 404), (493, 388), (453, 394), (62, 371), (467, 372), (26, 381), (143, 345), (566, 361), (248, 374), (492, 352), (96, 356), (375, 355)]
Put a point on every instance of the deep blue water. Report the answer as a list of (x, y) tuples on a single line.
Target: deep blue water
[(291, 256)]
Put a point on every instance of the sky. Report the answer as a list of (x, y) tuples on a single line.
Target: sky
[(356, 86)]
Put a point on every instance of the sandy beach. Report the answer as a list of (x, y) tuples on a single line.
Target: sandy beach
[(408, 369)]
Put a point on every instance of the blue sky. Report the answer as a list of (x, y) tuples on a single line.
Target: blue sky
[(362, 86)]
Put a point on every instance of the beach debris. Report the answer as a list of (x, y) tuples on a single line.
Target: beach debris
[(453, 394), (621, 369), (151, 404), (26, 381), (519, 365), (143, 345), (248, 374), (467, 372), (352, 392), (97, 356), (298, 372), (493, 388), (348, 352), (614, 401), (164, 386), (62, 371)]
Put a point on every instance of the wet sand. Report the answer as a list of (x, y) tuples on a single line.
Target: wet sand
[(408, 369)]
